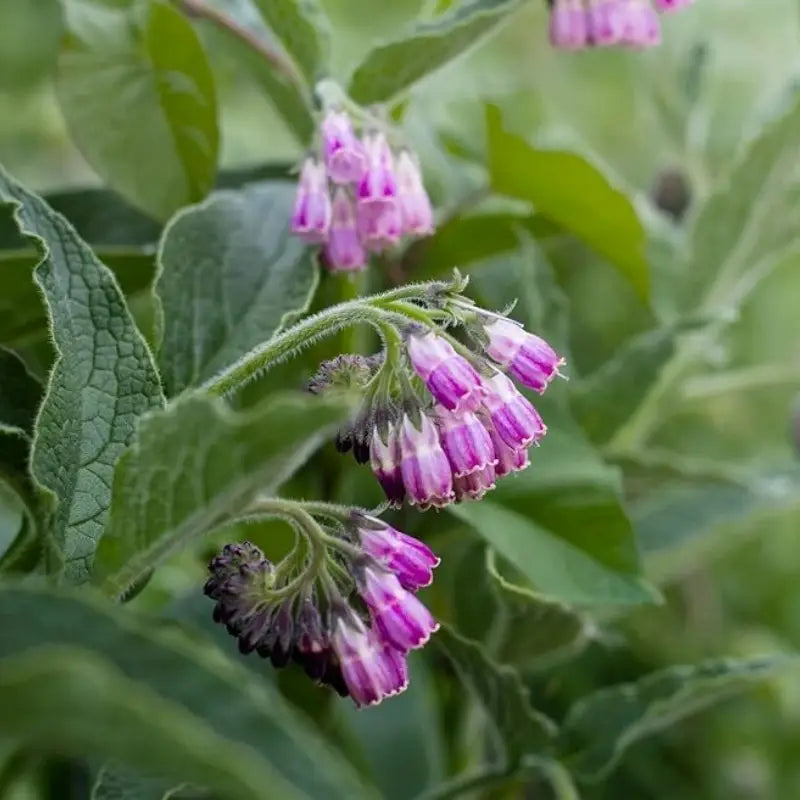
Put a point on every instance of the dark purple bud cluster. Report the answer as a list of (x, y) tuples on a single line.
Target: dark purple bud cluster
[(378, 197), (336, 643)]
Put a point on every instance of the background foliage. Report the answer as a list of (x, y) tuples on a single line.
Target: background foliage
[(657, 526)]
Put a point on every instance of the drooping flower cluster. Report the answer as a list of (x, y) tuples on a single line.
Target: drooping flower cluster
[(576, 24), (352, 634), (474, 426), (375, 196)]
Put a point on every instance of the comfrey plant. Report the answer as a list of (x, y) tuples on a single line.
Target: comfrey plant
[(576, 24), (439, 421)]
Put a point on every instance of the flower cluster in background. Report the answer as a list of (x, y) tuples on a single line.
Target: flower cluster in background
[(358, 197), (575, 24), (349, 621), (468, 426)]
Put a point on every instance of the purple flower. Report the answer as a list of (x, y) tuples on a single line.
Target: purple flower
[(415, 205), (672, 5), (640, 25), (475, 485), (344, 154), (408, 558), (311, 218), (514, 419), (385, 461), (370, 669), (465, 441), (343, 250), (568, 25), (603, 22), (380, 225), (312, 643), (427, 476), (378, 184), (509, 459), (450, 378), (402, 620), (529, 358)]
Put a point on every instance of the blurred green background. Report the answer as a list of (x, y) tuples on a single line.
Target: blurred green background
[(724, 68)]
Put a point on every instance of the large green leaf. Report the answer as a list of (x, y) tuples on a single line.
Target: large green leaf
[(138, 95), (394, 66), (103, 380), (230, 277), (492, 605), (750, 219), (164, 681), (302, 29), (566, 189), (518, 728), (195, 465), (117, 781), (600, 727)]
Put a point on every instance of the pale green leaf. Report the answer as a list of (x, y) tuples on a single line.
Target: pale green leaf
[(519, 729), (194, 466), (230, 277), (394, 66), (138, 96), (103, 380), (170, 676), (566, 189), (303, 30), (600, 727), (116, 781)]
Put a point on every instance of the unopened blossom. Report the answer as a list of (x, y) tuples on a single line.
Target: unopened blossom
[(529, 358), (465, 441), (427, 475), (415, 205), (509, 459), (513, 417), (385, 461), (568, 25), (408, 558), (311, 218), (640, 25), (380, 225), (344, 251), (604, 23), (401, 618), (378, 184), (343, 153), (475, 485), (450, 378)]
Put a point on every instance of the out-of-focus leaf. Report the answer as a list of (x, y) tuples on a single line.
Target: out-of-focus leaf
[(600, 727), (393, 67), (103, 380), (738, 228), (568, 190), (167, 676), (519, 729), (554, 566), (195, 465), (20, 393), (303, 30), (401, 739), (230, 277), (680, 524), (138, 95), (117, 781)]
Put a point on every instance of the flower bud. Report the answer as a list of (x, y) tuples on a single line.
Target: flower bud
[(427, 477), (343, 249), (311, 218), (344, 154), (415, 205), (465, 441), (516, 421)]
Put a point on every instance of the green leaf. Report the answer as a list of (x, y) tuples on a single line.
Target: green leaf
[(159, 681), (138, 96), (303, 30), (519, 729), (117, 781), (103, 380), (683, 524), (553, 566), (600, 727), (395, 66), (20, 393), (738, 229), (567, 190), (194, 466), (230, 277)]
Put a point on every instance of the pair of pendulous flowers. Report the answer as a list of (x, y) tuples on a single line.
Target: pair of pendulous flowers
[(353, 633), (357, 196), (576, 24)]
